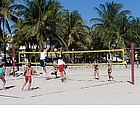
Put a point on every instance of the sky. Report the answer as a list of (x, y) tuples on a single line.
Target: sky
[(87, 11)]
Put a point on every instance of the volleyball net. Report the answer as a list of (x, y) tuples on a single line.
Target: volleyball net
[(75, 57)]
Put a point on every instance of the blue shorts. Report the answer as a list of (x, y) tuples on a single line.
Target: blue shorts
[(42, 63)]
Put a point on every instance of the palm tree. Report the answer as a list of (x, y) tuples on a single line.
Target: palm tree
[(72, 31), (122, 32), (135, 30), (7, 13), (48, 20), (38, 23), (135, 34), (109, 15), (0, 33)]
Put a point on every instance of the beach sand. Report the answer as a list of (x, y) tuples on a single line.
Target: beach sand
[(78, 89)]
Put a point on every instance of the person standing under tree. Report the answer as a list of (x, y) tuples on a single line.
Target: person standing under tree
[(28, 76)]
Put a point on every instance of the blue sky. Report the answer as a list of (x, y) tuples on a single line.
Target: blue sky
[(86, 7)]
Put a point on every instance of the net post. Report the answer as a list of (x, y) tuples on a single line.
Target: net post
[(132, 62)]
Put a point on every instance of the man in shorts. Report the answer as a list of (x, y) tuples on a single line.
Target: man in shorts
[(43, 59), (61, 68)]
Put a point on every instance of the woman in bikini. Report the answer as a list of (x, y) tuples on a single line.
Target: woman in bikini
[(109, 71), (28, 76), (96, 71)]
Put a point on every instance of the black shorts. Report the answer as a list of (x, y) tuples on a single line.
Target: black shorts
[(42, 63)]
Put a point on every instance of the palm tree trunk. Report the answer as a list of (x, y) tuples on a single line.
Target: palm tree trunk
[(4, 52), (4, 45)]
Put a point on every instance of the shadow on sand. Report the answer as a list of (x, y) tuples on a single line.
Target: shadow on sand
[(10, 87), (34, 88)]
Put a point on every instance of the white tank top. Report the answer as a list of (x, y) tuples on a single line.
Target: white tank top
[(43, 55), (61, 62)]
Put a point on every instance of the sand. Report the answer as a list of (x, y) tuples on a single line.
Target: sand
[(78, 89)]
